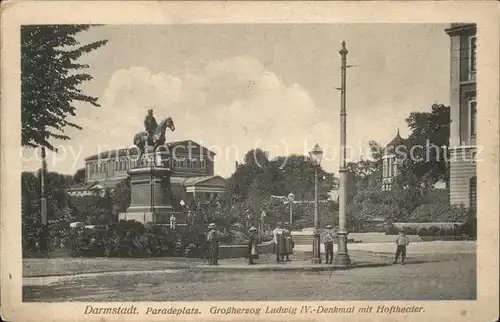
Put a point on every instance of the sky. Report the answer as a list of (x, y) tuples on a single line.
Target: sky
[(235, 87)]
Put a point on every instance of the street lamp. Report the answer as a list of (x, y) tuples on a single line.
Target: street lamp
[(342, 257), (316, 154), (291, 197)]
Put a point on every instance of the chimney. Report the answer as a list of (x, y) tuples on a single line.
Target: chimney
[(236, 165)]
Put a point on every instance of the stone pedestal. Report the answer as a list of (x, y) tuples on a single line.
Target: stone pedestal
[(342, 257), (151, 198)]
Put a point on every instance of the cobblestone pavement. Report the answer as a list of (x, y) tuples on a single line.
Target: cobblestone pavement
[(438, 277)]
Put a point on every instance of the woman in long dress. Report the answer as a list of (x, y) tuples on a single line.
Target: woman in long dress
[(279, 242), (252, 246), (213, 245)]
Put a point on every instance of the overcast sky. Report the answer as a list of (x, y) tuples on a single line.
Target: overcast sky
[(235, 87)]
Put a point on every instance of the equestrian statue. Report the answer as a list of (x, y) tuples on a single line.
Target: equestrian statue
[(154, 134)]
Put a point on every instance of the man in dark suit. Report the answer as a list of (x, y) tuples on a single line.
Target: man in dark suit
[(150, 125)]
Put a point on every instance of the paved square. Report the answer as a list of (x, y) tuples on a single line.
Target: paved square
[(426, 277)]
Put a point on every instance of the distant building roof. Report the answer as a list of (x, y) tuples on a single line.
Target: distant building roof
[(397, 141), (111, 184), (132, 151), (456, 28)]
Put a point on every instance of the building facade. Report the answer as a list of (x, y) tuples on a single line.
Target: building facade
[(390, 161), (192, 177), (463, 108)]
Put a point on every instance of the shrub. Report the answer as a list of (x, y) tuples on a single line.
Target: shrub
[(470, 228), (132, 239)]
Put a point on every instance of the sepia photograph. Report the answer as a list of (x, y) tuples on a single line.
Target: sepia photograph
[(261, 155), (304, 165)]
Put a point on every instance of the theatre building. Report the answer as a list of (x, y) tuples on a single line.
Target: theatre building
[(192, 177), (463, 107)]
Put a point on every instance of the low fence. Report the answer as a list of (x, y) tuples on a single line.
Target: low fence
[(240, 251)]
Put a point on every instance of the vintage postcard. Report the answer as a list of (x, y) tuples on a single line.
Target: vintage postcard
[(252, 161)]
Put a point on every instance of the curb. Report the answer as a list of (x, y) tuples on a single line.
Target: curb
[(256, 268), (228, 268), (107, 271)]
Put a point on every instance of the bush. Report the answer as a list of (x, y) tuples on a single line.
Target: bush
[(439, 212), (470, 228), (132, 239)]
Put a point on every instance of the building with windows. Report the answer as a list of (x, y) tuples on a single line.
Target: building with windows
[(192, 177), (390, 161), (463, 108)]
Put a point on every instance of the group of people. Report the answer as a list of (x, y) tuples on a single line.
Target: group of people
[(213, 244), (282, 242)]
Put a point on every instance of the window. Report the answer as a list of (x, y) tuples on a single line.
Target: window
[(188, 163), (194, 163), (116, 165), (472, 54), (182, 162), (176, 163), (203, 163), (472, 117)]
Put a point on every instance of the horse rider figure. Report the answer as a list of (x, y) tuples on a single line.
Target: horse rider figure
[(150, 126)]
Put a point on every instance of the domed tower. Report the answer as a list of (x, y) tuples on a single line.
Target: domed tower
[(390, 161)]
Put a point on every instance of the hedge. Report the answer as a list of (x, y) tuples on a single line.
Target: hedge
[(133, 239)]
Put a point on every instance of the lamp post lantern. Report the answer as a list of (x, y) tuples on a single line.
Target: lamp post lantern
[(316, 154), (342, 257), (291, 198)]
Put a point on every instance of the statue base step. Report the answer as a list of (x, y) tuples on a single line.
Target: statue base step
[(151, 217)]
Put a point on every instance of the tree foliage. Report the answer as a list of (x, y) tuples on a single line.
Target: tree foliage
[(50, 81), (424, 162), (428, 144)]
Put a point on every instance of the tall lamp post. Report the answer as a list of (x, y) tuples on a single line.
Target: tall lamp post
[(316, 154), (291, 198), (342, 257)]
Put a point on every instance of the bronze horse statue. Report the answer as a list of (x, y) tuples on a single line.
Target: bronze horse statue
[(159, 137)]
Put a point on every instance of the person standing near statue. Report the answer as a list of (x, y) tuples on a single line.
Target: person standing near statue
[(213, 244), (288, 242), (279, 242), (150, 126), (252, 246)]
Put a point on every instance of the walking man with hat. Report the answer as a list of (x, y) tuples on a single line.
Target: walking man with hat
[(328, 239), (402, 241), (213, 244)]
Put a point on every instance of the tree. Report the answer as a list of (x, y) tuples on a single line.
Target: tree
[(430, 132), (79, 176), (50, 80), (121, 196)]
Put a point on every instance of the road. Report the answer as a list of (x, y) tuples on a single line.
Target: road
[(428, 277)]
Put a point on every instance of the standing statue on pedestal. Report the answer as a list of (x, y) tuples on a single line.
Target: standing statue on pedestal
[(154, 134)]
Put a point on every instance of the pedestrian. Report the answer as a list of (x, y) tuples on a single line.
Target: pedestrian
[(402, 241), (279, 242), (288, 242), (213, 244), (252, 246), (328, 240)]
